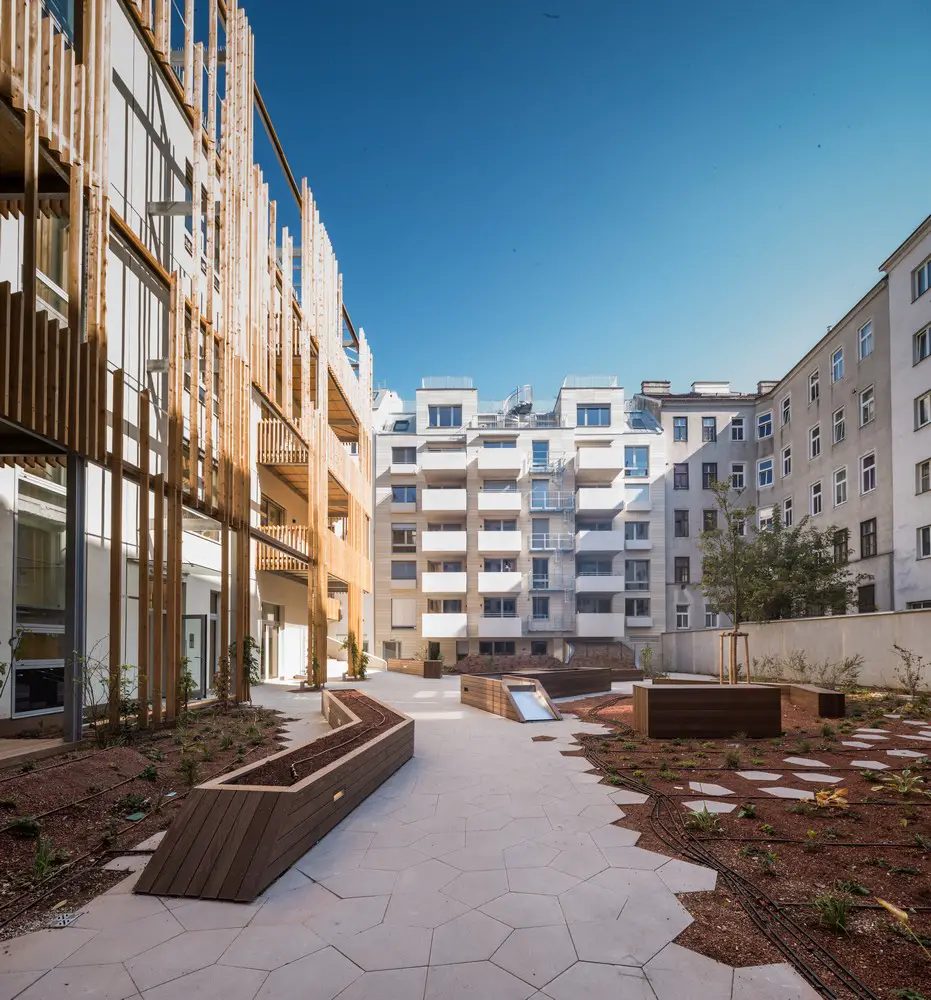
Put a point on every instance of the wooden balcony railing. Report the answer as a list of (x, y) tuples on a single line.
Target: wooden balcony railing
[(345, 563), (295, 536), (279, 445)]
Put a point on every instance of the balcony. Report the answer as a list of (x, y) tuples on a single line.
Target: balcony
[(599, 541), (552, 500), (296, 537), (444, 626), (499, 627), (499, 541), (552, 542), (435, 464), (600, 499), (499, 583), (638, 544), (499, 501), (598, 464), (443, 583), (595, 625), (443, 542), (638, 621), (494, 462), (403, 468), (599, 583), (637, 497), (451, 501)]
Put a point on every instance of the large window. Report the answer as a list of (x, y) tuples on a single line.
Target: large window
[(841, 546), (840, 486), (922, 345), (923, 410), (636, 461), (404, 570), (868, 544), (504, 485), (682, 616), (816, 498), (711, 617), (764, 473), (540, 608), (921, 279), (837, 365), (403, 537), (709, 520), (499, 443), (637, 574), (499, 647), (866, 598), (445, 416), (681, 569), (764, 424), (709, 474), (403, 456), (838, 425), (404, 612), (590, 604), (271, 514), (865, 339), (737, 429), (636, 531), (444, 606), (681, 524), (867, 405), (593, 415), (637, 607), (709, 429), (787, 512), (680, 428), (540, 455), (500, 607), (786, 410), (404, 494), (501, 524), (868, 473), (680, 476), (503, 565), (814, 441), (738, 475)]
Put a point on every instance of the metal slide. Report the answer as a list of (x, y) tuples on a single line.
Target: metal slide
[(530, 704)]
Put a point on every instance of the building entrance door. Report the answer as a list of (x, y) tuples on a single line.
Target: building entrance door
[(195, 637)]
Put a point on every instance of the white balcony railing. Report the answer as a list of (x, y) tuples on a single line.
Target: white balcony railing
[(499, 541), (443, 461), (444, 626), (443, 542), (499, 501), (499, 627), (443, 500), (599, 625), (443, 583), (546, 542), (600, 499), (500, 460), (598, 583), (599, 541), (499, 583), (552, 500)]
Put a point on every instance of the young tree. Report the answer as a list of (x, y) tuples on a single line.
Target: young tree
[(730, 575)]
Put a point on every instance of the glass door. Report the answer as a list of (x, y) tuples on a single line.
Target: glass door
[(195, 651)]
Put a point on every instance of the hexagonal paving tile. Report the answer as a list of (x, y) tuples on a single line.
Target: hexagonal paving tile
[(345, 917), (473, 937), (682, 876), (875, 765), (588, 902), (320, 976), (393, 984), (624, 797), (392, 859), (529, 855), (117, 944), (432, 874), (388, 946), (709, 788), (856, 744), (216, 982), (474, 979), (424, 908), (178, 957), (804, 762), (673, 966), (614, 836), (582, 862), (367, 882), (697, 805), (637, 934), (41, 950), (814, 777), (545, 881), (477, 888), (759, 775), (522, 909), (102, 982), (789, 793), (771, 982), (595, 981), (536, 954), (905, 753), (270, 947), (634, 857)]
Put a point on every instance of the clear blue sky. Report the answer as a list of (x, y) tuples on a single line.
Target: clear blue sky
[(652, 189)]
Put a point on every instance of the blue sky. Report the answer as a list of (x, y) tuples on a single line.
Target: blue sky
[(652, 189)]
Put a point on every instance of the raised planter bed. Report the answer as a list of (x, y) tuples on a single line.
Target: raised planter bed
[(431, 669), (496, 695), (570, 683), (239, 832), (707, 711)]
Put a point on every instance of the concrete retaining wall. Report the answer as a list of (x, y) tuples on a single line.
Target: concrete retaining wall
[(870, 635)]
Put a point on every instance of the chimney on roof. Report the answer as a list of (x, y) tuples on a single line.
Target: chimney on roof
[(711, 388), (655, 388), (763, 387)]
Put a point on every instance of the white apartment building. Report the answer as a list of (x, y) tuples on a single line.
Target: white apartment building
[(514, 527), (909, 276)]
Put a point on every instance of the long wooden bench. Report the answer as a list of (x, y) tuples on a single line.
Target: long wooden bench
[(707, 711)]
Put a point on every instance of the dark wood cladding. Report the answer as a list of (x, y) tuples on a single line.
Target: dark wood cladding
[(232, 841), (818, 701), (571, 683), (488, 694), (431, 669), (707, 711)]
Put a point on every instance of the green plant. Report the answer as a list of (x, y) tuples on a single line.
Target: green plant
[(254, 735), (732, 758), (804, 808), (811, 844), (226, 741), (703, 821), (833, 912), (766, 859), (189, 769), (909, 671), (923, 842), (7, 803), (828, 732), (356, 657), (187, 686), (905, 783), (667, 775), (206, 754), (130, 803), (47, 857), (149, 773), (25, 827), (27, 766), (240, 752), (908, 994), (803, 746), (852, 888), (757, 761), (768, 829), (747, 811)]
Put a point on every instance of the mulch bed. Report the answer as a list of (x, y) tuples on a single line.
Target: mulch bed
[(62, 817), (795, 852), (313, 757)]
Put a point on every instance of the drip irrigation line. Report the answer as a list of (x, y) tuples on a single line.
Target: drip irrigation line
[(369, 727), (786, 840)]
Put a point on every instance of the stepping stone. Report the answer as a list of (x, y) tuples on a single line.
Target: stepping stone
[(867, 730), (875, 765), (871, 736), (696, 805), (706, 788), (922, 739), (804, 762), (905, 753), (913, 722), (858, 746), (892, 716), (623, 797), (788, 793), (818, 779), (759, 775)]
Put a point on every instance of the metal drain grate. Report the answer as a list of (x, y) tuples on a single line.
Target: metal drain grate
[(65, 919)]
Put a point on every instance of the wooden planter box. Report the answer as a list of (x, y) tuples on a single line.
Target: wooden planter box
[(231, 841), (491, 694), (707, 711), (431, 669), (571, 682)]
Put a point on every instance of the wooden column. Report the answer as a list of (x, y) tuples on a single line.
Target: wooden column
[(142, 655), (30, 242), (158, 599), (116, 552)]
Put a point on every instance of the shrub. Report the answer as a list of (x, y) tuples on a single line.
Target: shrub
[(189, 770), (25, 827), (703, 821), (149, 773), (909, 671), (732, 758), (747, 811), (47, 857), (833, 912)]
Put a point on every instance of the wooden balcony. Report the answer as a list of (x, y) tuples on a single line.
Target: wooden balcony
[(296, 537), (345, 563), (280, 448)]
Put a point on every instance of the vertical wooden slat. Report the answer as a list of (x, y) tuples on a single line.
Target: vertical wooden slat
[(143, 653), (158, 598), (116, 551), (30, 243)]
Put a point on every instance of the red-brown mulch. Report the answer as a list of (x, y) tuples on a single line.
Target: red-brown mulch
[(314, 756), (81, 801), (774, 849)]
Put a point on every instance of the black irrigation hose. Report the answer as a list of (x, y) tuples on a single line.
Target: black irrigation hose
[(781, 930), (383, 719)]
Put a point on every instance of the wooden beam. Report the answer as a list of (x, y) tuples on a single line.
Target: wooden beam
[(116, 553), (143, 653)]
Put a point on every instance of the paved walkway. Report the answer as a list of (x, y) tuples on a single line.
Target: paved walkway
[(488, 867)]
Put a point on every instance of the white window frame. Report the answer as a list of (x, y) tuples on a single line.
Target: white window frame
[(760, 485), (923, 409), (682, 616), (764, 518), (815, 499), (838, 423), (786, 461), (785, 410), (837, 364), (923, 477), (787, 512), (924, 541), (921, 279), (863, 472), (766, 417), (711, 617), (814, 385), (814, 435), (840, 484), (865, 339), (742, 474), (738, 430), (867, 405), (921, 346)]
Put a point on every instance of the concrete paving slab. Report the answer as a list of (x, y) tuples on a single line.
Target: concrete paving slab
[(473, 937), (536, 955)]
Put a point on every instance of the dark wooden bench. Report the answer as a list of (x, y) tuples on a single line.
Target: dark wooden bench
[(707, 711)]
